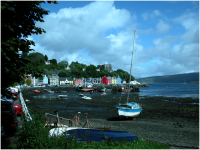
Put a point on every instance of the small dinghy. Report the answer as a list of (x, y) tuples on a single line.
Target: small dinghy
[(60, 96), (86, 97), (58, 91), (80, 94), (36, 91), (47, 90), (104, 93), (50, 91)]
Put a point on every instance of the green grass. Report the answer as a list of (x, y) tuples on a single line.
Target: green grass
[(33, 135)]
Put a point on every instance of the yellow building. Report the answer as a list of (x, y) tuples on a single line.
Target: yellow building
[(114, 80)]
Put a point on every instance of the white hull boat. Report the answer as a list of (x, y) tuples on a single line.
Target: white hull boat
[(60, 96), (103, 90), (129, 109), (86, 97), (81, 94), (104, 93), (50, 91)]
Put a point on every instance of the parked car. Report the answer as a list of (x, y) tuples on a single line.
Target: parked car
[(9, 120), (17, 107)]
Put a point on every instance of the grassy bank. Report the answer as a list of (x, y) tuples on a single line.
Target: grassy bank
[(34, 135)]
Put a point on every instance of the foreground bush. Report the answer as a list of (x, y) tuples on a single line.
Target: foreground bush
[(33, 135)]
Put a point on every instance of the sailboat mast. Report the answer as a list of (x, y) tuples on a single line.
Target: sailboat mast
[(131, 66)]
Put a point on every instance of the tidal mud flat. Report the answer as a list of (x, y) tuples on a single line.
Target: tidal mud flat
[(167, 120)]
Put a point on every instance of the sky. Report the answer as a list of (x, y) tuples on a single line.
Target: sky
[(102, 32)]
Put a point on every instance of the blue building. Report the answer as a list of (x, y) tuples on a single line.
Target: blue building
[(119, 80), (45, 79)]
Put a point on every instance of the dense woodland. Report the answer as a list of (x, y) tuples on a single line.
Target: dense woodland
[(76, 68)]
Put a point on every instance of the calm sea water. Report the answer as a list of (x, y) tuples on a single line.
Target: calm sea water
[(171, 90)]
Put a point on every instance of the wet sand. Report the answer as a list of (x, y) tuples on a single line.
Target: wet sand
[(167, 120)]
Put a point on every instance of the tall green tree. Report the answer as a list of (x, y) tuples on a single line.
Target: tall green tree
[(18, 20), (45, 57)]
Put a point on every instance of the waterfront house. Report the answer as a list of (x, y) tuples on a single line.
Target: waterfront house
[(62, 80), (45, 80), (47, 62), (78, 81), (104, 80), (54, 79), (119, 80), (114, 80), (69, 81), (109, 80), (123, 81)]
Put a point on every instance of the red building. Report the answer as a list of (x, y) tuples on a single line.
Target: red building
[(79, 81), (104, 80)]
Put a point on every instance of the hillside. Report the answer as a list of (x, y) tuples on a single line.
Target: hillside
[(177, 78)]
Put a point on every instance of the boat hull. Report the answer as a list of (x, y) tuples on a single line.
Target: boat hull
[(128, 113), (60, 96), (86, 90), (96, 135)]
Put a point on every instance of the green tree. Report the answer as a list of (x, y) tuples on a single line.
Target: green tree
[(54, 62), (36, 58), (17, 23), (45, 57), (61, 65), (63, 73), (91, 71), (65, 62), (28, 81)]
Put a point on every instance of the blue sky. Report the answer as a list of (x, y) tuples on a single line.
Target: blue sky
[(99, 32)]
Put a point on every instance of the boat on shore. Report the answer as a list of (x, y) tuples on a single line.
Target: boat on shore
[(47, 89), (36, 91), (87, 90), (104, 93), (60, 96), (129, 109), (86, 97)]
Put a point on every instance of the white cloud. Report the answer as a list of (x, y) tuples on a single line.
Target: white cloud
[(162, 27), (155, 13), (145, 16), (106, 35)]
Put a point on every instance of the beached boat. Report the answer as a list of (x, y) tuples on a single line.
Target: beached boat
[(86, 90), (104, 93), (98, 135), (50, 91), (36, 91), (80, 94), (86, 97), (60, 96), (129, 109), (103, 90), (47, 89)]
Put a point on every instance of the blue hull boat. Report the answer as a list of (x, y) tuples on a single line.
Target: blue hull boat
[(97, 135)]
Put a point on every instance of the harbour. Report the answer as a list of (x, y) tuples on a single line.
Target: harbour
[(170, 120)]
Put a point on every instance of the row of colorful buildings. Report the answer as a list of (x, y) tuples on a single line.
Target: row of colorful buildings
[(54, 79)]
